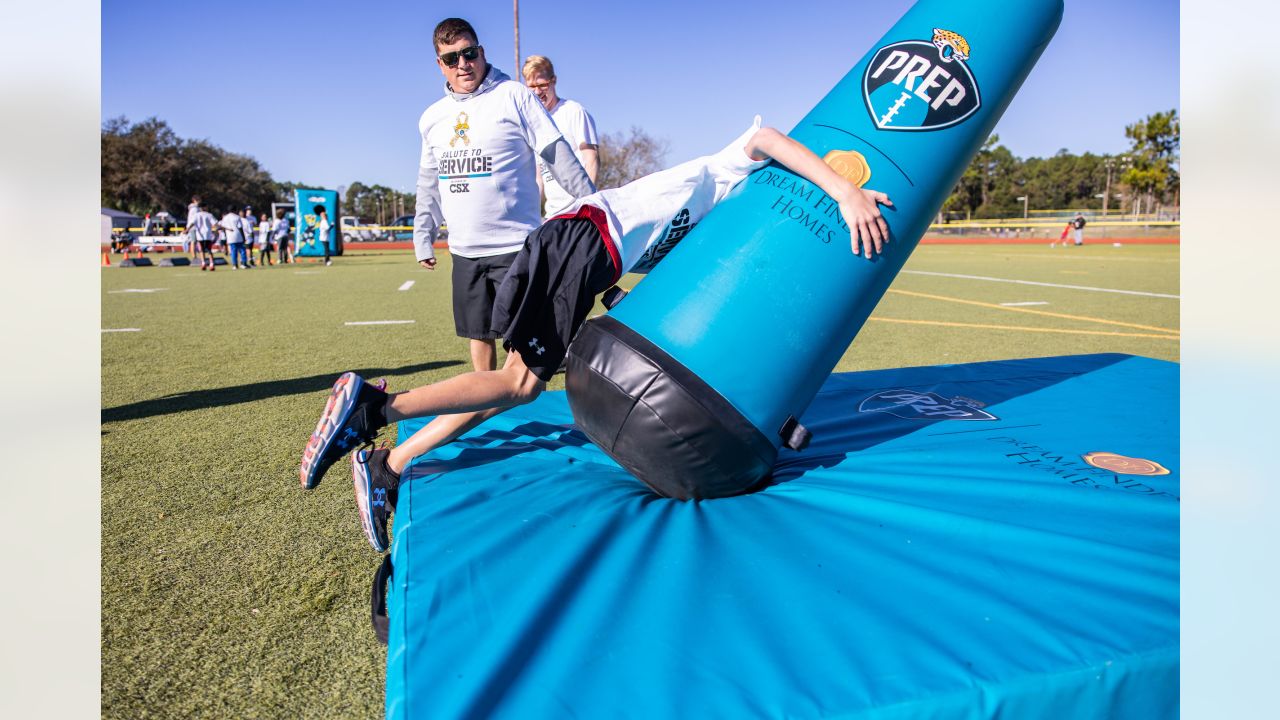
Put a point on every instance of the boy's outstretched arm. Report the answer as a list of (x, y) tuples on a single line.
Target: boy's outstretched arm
[(859, 207)]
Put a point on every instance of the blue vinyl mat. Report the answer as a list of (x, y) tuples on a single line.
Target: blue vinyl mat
[(995, 539)]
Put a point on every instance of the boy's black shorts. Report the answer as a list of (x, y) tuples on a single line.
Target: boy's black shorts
[(551, 287), (475, 284)]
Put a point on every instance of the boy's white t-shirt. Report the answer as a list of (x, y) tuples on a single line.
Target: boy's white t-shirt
[(648, 216), (577, 126), (246, 225), (201, 225), (482, 147), (231, 224)]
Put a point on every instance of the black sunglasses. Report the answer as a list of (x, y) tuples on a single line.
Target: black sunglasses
[(450, 59)]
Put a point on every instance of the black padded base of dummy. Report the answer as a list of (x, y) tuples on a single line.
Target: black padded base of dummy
[(658, 420)]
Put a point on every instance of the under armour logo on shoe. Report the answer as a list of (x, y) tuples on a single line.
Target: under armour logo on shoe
[(534, 344), (379, 497), (348, 437)]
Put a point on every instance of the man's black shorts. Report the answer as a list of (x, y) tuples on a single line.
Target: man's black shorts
[(475, 284), (551, 287)]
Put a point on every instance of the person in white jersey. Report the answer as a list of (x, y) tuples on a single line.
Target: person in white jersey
[(264, 241), (322, 229), (574, 122), (201, 227), (545, 298), (280, 232), (233, 231), (189, 242), (248, 230), (480, 143)]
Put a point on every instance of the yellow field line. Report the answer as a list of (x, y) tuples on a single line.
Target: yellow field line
[(1026, 329), (1036, 312)]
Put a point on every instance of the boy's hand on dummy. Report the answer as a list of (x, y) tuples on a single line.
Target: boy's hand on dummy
[(861, 210)]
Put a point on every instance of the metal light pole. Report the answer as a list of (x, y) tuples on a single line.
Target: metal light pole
[(1025, 213), (1106, 193), (516, 14)]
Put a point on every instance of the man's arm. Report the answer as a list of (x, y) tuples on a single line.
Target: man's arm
[(566, 169), (589, 145), (590, 160), (427, 215), (859, 207)]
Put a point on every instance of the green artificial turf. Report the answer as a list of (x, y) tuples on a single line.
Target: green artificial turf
[(228, 591)]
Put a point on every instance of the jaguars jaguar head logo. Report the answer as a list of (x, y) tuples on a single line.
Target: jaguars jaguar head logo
[(951, 46), (460, 131)]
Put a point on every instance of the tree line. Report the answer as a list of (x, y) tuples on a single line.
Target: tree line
[(1142, 180), (146, 167)]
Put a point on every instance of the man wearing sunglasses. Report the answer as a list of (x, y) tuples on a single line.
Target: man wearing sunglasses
[(481, 144)]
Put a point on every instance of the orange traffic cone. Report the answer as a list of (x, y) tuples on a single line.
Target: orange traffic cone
[(106, 260)]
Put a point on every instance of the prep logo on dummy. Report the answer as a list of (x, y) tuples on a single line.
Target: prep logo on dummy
[(921, 84), (913, 405)]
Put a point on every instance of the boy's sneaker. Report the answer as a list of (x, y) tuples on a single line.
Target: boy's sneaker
[(354, 414), (375, 486)]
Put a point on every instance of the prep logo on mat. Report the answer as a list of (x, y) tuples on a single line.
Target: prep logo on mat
[(1123, 464), (913, 405), (921, 84)]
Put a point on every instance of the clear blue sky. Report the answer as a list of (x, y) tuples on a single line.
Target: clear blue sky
[(692, 73)]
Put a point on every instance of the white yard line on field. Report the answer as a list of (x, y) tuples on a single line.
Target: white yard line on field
[(381, 322), (1042, 284), (1073, 255), (121, 329), (1025, 304), (136, 290), (407, 284)]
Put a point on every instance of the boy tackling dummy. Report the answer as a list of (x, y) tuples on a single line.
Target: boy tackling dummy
[(544, 299)]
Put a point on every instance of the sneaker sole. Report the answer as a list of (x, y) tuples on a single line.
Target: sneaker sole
[(364, 502), (336, 411)]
